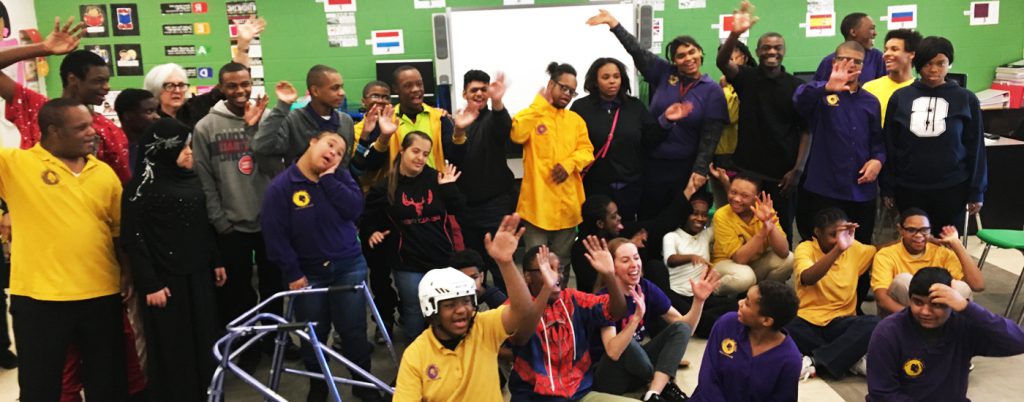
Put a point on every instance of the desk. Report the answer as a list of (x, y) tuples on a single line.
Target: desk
[(1005, 196)]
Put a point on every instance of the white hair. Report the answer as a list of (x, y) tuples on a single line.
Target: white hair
[(157, 75)]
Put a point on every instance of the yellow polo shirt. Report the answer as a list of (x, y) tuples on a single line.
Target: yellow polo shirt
[(894, 260), (883, 88), (432, 373), (731, 233), (730, 133), (835, 294), (63, 248), (551, 136)]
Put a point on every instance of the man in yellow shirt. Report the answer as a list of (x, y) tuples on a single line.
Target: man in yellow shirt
[(900, 46), (65, 275), (556, 148), (750, 245), (412, 114), (895, 265), (827, 330), (457, 358)]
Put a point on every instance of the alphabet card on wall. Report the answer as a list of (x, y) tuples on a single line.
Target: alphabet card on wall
[(901, 17), (983, 13)]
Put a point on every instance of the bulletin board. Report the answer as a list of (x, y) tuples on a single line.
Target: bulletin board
[(297, 33)]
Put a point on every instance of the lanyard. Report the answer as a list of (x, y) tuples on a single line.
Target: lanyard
[(683, 90)]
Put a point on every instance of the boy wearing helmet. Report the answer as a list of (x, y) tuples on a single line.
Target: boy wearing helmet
[(456, 358)]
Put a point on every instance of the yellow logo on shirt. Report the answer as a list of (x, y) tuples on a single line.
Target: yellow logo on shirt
[(728, 347), (913, 367), (300, 198), (672, 79), (832, 99)]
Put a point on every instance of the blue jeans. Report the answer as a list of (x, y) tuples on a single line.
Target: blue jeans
[(345, 309), (411, 317)]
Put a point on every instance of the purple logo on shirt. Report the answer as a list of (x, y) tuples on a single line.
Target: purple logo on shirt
[(433, 372), (541, 129)]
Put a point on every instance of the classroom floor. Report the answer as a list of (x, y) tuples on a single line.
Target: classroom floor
[(993, 379)]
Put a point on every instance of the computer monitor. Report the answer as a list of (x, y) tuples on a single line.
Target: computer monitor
[(958, 78)]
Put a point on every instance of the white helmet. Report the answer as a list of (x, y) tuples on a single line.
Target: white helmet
[(443, 284)]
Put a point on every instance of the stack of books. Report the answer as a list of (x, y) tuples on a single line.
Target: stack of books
[(1009, 79)]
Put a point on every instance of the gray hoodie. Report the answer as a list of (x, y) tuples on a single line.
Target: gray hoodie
[(232, 180), (284, 135)]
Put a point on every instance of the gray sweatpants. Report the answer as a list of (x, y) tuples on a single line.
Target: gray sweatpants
[(635, 367)]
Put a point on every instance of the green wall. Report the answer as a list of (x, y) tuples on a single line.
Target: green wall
[(296, 36)]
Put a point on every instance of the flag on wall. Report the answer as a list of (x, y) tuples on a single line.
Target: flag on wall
[(983, 13), (387, 42), (820, 25), (901, 17)]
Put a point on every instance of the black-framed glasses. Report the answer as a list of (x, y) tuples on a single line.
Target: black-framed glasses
[(180, 86), (851, 59), (567, 89), (917, 231)]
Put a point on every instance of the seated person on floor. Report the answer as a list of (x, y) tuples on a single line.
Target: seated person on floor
[(456, 358), (923, 353), (832, 337), (686, 253), (555, 364), (600, 218), (895, 264), (748, 356), (750, 246), (626, 365)]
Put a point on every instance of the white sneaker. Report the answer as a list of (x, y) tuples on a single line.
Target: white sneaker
[(860, 367), (808, 370)]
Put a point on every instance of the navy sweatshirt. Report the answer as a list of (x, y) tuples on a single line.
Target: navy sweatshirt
[(934, 139)]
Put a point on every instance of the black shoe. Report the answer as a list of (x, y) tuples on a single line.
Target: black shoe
[(655, 398), (7, 359), (367, 394), (672, 393)]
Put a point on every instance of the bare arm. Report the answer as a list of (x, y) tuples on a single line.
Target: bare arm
[(743, 19), (247, 31), (972, 274), (62, 40), (818, 270)]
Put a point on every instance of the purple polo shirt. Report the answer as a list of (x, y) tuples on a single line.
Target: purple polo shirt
[(846, 132), (874, 66), (730, 371), (708, 103), (307, 224)]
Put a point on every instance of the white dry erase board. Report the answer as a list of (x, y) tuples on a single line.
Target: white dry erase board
[(521, 41)]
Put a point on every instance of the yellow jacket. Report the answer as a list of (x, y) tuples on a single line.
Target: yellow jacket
[(436, 160), (551, 136)]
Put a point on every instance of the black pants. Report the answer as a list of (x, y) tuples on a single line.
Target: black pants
[(945, 206), (837, 346), (660, 190), (239, 251), (44, 329), (481, 219), (785, 206), (179, 339), (714, 307), (627, 196), (862, 213), (5, 280), (380, 260)]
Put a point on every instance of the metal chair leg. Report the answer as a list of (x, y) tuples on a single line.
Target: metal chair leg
[(984, 255), (1013, 296)]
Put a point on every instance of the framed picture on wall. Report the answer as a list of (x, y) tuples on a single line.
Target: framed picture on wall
[(126, 19), (95, 18), (104, 52), (129, 59)]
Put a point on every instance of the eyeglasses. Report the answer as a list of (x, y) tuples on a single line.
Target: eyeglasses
[(180, 86), (854, 60), (567, 89), (917, 231), (377, 97)]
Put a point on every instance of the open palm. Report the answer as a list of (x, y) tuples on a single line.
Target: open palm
[(64, 39), (502, 245)]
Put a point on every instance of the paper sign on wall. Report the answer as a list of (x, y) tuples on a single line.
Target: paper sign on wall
[(984, 13), (724, 27), (657, 29), (338, 6), (684, 4), (428, 3), (387, 42), (901, 17), (820, 25)]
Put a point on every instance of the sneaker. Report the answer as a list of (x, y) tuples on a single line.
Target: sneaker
[(7, 359), (807, 371), (860, 367), (672, 393)]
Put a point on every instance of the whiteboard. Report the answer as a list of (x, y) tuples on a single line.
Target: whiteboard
[(521, 41)]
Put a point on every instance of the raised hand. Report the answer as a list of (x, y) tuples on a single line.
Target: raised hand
[(465, 117), (502, 246), (869, 172), (641, 303), (943, 294), (697, 180), (64, 39), (377, 237), (286, 92), (841, 76), (603, 17), (558, 174), (678, 111), (388, 122), (549, 274), (598, 255), (254, 110), (845, 236), (497, 88), (248, 29), (719, 174), (706, 283), (949, 236), (763, 208), (449, 175), (158, 298), (370, 119), (743, 18)]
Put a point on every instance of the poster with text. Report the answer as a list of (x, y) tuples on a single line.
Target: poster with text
[(95, 18), (129, 59), (126, 19)]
